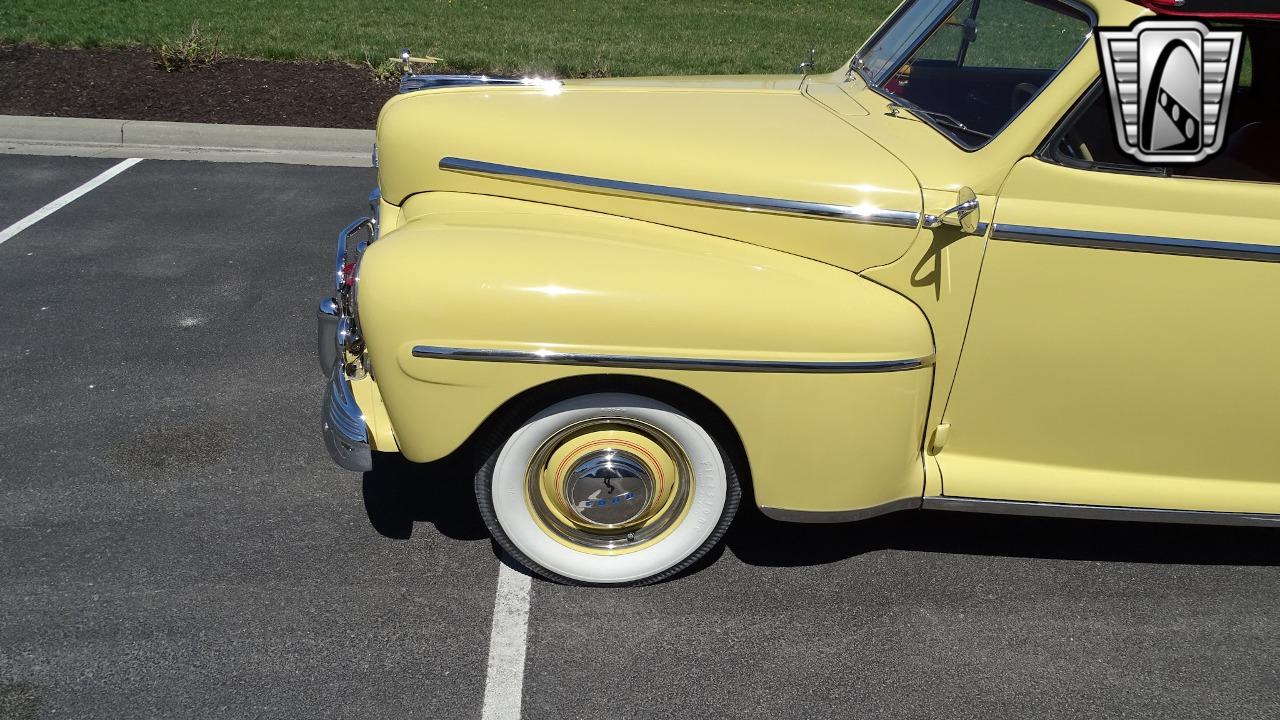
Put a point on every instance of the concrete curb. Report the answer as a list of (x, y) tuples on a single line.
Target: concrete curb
[(92, 137)]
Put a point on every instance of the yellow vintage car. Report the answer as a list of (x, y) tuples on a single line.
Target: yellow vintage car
[(930, 279)]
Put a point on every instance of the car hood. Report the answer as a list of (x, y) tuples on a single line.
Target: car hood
[(756, 136)]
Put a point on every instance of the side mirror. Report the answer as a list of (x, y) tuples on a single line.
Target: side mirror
[(964, 214)]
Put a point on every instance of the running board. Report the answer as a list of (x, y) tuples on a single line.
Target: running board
[(1098, 512)]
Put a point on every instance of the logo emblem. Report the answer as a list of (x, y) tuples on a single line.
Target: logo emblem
[(1170, 84), (609, 487)]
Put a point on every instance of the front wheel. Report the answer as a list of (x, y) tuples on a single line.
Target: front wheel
[(607, 489)]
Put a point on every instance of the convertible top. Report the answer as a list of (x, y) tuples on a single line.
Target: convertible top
[(1220, 9)]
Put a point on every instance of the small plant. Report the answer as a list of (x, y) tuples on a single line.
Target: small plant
[(599, 68), (195, 50), (388, 70)]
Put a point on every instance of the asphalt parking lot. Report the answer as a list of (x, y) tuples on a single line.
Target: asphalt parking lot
[(174, 541)]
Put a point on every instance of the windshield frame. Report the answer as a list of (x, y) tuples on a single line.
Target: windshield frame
[(857, 64)]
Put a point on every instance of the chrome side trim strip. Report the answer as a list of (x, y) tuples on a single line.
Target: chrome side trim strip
[(1099, 512), (1137, 243), (847, 213), (840, 516), (668, 363)]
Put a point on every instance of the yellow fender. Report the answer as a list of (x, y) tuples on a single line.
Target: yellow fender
[(517, 279)]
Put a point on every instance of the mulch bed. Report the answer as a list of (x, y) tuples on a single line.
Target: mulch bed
[(131, 85)]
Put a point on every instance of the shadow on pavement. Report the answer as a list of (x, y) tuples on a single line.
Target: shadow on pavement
[(758, 540), (398, 493)]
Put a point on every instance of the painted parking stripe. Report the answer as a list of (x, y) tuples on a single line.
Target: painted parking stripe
[(504, 681), (65, 200)]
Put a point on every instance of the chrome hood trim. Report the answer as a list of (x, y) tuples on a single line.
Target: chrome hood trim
[(670, 363), (847, 213), (413, 83)]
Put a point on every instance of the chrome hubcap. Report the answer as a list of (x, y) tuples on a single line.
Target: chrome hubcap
[(608, 488), (608, 485)]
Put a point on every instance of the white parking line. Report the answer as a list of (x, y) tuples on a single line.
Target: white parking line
[(504, 682), (61, 202)]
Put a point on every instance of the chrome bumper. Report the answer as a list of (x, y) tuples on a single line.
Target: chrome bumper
[(340, 351), (327, 319), (345, 434)]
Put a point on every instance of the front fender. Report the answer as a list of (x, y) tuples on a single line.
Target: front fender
[(498, 274)]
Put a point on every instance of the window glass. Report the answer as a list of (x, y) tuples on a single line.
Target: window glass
[(909, 23), (946, 44), (985, 61), (1089, 139), (1020, 34)]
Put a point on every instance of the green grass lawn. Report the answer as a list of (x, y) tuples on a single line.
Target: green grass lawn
[(561, 37)]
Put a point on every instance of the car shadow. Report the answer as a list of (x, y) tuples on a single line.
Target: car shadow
[(398, 493), (758, 540)]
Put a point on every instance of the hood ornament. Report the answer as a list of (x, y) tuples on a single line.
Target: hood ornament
[(411, 80), (407, 60)]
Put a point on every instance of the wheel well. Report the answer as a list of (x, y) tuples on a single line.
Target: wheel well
[(685, 399)]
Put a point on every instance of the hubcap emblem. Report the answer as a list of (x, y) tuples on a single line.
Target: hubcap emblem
[(609, 487)]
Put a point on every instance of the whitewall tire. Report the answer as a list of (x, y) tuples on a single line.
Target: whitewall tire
[(606, 489)]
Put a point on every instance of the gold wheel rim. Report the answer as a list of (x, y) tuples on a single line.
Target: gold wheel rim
[(578, 482)]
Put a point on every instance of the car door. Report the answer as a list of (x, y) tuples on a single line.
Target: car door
[(1124, 348)]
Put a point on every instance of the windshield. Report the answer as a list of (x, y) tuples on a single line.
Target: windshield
[(968, 67)]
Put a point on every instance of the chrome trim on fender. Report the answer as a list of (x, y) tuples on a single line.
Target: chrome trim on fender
[(847, 213), (1136, 243), (1098, 512), (668, 363), (840, 516)]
